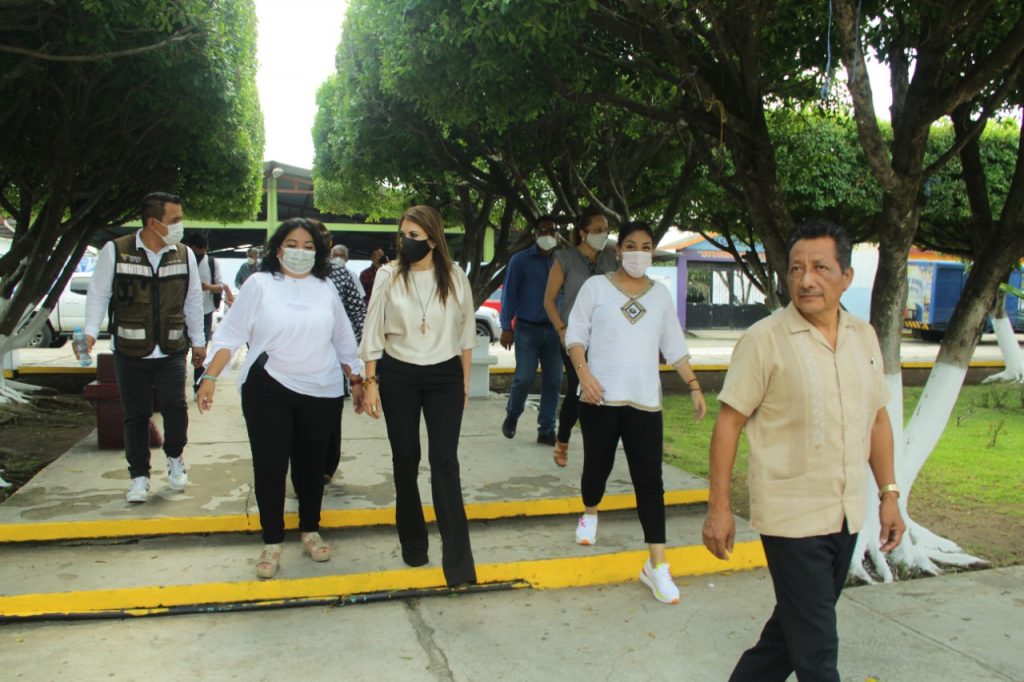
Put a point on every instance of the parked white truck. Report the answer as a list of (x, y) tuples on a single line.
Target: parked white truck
[(69, 313)]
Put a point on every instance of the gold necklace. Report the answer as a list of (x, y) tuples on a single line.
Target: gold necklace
[(424, 328)]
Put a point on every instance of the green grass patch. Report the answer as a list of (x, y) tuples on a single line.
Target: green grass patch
[(971, 489), (980, 458)]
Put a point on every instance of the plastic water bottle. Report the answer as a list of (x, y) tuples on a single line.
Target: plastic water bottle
[(78, 338)]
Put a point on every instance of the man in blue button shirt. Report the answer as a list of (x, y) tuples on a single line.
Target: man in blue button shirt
[(522, 299)]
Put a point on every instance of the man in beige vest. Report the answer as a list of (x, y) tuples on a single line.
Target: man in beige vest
[(807, 383), (151, 284)]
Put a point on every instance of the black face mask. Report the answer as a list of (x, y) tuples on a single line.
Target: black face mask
[(414, 250)]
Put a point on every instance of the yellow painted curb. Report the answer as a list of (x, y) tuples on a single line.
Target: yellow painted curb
[(329, 519), (42, 370), (26, 370), (540, 574)]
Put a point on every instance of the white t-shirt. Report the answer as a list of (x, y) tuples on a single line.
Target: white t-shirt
[(208, 277), (622, 336), (302, 327)]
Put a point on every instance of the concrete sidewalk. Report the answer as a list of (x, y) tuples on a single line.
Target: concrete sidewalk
[(957, 627)]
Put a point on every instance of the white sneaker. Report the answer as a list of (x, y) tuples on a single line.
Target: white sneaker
[(586, 530), (176, 476), (660, 581), (139, 491)]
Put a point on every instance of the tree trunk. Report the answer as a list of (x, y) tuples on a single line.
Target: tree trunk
[(1008, 345), (922, 550)]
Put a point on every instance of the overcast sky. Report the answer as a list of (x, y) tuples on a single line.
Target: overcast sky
[(297, 43)]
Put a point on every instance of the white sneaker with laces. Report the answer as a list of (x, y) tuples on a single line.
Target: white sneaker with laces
[(659, 580), (586, 530), (139, 491), (176, 476)]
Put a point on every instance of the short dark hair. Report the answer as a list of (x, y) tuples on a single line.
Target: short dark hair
[(196, 240), (635, 226), (272, 264), (818, 228), (153, 205), (546, 218)]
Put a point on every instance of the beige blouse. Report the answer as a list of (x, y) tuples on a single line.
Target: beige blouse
[(410, 323)]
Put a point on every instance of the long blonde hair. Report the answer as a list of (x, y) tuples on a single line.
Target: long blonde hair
[(430, 220)]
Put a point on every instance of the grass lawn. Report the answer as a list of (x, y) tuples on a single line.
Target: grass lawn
[(971, 489)]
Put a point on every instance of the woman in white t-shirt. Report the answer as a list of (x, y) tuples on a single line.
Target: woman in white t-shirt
[(618, 325), (418, 341), (301, 347)]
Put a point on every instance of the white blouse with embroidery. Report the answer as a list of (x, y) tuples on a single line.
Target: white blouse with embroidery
[(623, 336)]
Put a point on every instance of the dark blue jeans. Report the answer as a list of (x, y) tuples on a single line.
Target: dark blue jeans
[(536, 343), (137, 380)]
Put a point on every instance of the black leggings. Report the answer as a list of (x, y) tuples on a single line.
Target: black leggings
[(569, 413), (641, 434), (285, 426), (436, 391)]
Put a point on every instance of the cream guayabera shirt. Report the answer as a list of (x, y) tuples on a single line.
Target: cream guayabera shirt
[(810, 414)]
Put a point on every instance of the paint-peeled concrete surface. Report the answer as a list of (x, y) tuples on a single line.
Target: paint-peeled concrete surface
[(894, 633)]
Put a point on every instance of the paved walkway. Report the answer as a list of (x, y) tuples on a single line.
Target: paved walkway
[(956, 627), (953, 628)]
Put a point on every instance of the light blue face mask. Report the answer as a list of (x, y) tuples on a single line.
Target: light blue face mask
[(298, 261)]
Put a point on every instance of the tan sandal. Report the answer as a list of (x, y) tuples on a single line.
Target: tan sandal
[(561, 453), (269, 561), (315, 547)]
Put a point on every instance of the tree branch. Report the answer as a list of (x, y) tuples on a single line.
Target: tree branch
[(176, 38)]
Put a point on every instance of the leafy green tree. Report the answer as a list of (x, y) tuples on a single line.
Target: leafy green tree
[(526, 145), (102, 102)]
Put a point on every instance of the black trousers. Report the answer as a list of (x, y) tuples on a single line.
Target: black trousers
[(641, 434), (285, 426), (333, 457), (437, 391), (137, 380), (569, 413), (208, 331), (808, 576)]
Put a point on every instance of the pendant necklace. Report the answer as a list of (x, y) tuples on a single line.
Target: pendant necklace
[(424, 328)]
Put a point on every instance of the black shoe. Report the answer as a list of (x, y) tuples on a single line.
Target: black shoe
[(546, 438), (414, 559), (508, 427)]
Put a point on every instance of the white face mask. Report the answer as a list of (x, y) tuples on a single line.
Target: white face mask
[(597, 240), (635, 263), (175, 231), (338, 260), (298, 261), (250, 261), (546, 242)]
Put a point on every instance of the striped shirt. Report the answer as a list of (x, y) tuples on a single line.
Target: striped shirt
[(577, 269)]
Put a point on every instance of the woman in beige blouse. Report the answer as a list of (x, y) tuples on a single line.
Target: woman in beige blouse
[(417, 343)]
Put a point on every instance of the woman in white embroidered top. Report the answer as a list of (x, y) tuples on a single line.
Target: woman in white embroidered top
[(418, 340), (300, 343), (617, 327)]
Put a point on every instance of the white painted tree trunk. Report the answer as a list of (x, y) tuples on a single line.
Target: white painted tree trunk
[(1011, 351), (10, 391), (920, 549)]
